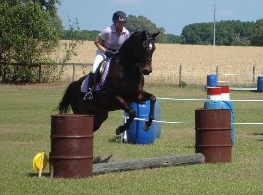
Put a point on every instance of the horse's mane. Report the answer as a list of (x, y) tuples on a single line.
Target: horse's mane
[(129, 40)]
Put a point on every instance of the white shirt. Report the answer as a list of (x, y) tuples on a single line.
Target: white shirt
[(111, 39)]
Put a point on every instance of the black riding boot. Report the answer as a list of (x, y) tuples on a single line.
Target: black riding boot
[(89, 94)]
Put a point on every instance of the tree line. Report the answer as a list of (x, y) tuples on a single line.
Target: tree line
[(30, 31), (227, 32)]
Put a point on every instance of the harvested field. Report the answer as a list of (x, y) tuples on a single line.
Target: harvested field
[(197, 61)]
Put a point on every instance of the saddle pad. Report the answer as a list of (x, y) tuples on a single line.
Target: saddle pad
[(99, 85)]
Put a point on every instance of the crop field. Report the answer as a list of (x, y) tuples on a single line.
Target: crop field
[(25, 130), (196, 61)]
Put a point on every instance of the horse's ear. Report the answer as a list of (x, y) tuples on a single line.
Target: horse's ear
[(155, 35), (144, 35)]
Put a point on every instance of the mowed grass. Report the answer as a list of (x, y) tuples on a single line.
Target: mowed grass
[(25, 130)]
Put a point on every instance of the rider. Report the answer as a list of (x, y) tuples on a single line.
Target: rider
[(108, 43)]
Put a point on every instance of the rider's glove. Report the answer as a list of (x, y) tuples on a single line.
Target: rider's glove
[(109, 53)]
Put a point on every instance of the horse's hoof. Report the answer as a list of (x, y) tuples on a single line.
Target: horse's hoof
[(119, 130), (146, 127)]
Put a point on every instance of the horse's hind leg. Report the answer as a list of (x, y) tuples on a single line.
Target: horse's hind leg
[(131, 113)]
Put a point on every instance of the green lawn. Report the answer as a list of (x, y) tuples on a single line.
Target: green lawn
[(25, 130)]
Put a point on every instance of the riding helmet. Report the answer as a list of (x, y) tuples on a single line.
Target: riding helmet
[(119, 15)]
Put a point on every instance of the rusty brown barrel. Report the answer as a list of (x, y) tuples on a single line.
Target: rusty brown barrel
[(71, 153), (213, 134)]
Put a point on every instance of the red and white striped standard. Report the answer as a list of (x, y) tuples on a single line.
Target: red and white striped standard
[(214, 93), (225, 93)]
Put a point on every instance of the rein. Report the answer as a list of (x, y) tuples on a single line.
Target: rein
[(138, 64)]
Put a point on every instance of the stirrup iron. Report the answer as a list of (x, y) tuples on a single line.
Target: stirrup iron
[(88, 96)]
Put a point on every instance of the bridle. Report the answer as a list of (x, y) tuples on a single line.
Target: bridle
[(140, 61)]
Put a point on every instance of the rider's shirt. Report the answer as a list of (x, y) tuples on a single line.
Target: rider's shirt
[(111, 39)]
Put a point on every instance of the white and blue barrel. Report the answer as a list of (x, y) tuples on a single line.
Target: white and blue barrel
[(225, 95), (136, 134), (260, 83), (219, 98), (212, 80)]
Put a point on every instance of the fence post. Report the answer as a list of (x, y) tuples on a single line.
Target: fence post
[(180, 75), (217, 71), (73, 74), (254, 74), (4, 74), (39, 74)]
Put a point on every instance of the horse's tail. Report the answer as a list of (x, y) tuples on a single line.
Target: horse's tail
[(63, 106)]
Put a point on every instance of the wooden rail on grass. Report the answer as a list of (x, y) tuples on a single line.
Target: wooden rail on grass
[(165, 161)]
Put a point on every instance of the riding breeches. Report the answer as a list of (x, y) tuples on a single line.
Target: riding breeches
[(100, 56)]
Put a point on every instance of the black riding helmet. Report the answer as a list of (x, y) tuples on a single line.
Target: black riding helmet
[(119, 15)]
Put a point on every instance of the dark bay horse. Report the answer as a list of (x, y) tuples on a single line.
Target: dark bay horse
[(124, 84)]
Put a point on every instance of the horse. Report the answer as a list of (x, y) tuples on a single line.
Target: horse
[(124, 84)]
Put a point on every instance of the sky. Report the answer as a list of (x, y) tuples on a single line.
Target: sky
[(172, 15)]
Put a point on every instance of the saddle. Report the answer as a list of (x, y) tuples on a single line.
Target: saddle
[(100, 70)]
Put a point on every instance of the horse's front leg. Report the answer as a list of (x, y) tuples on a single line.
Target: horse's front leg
[(143, 96), (131, 113)]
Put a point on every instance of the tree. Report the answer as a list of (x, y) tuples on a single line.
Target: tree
[(200, 33), (233, 33), (48, 5), (227, 33), (142, 23), (257, 33), (26, 37)]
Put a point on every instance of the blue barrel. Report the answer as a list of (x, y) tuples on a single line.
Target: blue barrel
[(136, 133), (223, 105), (211, 80), (260, 85), (157, 116)]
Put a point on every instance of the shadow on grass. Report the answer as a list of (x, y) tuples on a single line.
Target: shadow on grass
[(36, 175), (115, 139), (256, 133), (256, 91), (190, 146)]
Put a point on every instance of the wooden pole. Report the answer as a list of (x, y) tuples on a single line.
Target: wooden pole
[(180, 75), (165, 161), (41, 165), (39, 74), (254, 74), (217, 70), (73, 74)]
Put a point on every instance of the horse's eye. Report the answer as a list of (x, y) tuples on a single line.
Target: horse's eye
[(145, 44)]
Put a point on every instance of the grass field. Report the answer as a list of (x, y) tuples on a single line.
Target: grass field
[(25, 130), (197, 61)]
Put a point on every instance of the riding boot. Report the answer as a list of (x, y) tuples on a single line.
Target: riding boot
[(89, 94)]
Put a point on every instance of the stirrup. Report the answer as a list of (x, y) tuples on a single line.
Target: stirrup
[(88, 96)]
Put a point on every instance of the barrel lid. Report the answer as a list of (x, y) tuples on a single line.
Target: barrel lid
[(213, 90)]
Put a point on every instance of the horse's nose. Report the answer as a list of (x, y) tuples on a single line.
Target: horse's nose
[(147, 71)]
